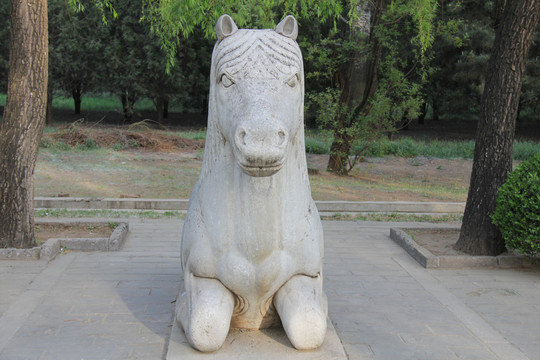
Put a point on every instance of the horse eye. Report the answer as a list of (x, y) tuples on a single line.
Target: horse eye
[(293, 81), (226, 81)]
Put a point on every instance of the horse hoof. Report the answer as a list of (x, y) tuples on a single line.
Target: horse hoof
[(207, 315), (302, 307)]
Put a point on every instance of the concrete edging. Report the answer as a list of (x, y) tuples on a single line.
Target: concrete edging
[(52, 247), (430, 261), (182, 205)]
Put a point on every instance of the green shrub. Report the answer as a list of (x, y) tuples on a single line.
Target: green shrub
[(89, 144), (62, 145), (524, 150), (46, 143), (117, 146), (517, 212), (132, 144), (316, 146)]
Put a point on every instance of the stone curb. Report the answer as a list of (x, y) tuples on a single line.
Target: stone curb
[(52, 247), (429, 261), (182, 205)]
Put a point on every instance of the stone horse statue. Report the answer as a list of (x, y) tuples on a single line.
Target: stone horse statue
[(252, 242)]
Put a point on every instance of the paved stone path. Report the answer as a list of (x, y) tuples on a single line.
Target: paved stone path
[(119, 305)]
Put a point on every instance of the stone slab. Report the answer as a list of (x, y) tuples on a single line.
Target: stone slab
[(110, 203), (268, 344), (430, 261), (182, 204), (391, 206)]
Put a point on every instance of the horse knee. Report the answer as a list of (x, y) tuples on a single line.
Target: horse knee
[(302, 307), (205, 313)]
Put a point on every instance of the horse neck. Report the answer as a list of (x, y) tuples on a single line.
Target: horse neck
[(289, 185)]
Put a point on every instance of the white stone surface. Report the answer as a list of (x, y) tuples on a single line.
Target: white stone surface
[(252, 229), (266, 344)]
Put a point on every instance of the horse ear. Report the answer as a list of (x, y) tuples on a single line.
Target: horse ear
[(225, 27), (288, 27)]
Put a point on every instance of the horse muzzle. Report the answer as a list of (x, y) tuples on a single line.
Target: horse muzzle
[(261, 151)]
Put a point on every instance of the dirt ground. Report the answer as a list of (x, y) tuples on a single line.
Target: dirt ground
[(159, 164), (394, 179), (172, 174), (439, 242), (45, 232)]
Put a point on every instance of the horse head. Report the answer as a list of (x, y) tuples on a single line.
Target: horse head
[(258, 91)]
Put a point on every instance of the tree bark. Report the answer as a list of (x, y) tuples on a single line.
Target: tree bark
[(159, 103), (496, 126), (23, 121), (166, 108), (435, 110), (77, 98), (357, 80), (423, 113), (49, 120), (128, 100)]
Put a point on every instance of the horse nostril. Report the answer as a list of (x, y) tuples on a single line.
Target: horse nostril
[(282, 137), (241, 137)]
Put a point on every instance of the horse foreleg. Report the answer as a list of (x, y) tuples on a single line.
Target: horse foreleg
[(204, 311), (302, 307)]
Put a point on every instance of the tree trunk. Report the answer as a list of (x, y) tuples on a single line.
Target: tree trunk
[(49, 113), (166, 108), (495, 133), (77, 98), (357, 80), (435, 110), (339, 154), (23, 121), (128, 100), (423, 113), (159, 103)]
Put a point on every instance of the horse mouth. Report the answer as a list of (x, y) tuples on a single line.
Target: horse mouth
[(261, 170)]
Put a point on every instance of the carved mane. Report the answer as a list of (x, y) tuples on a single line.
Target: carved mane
[(280, 55)]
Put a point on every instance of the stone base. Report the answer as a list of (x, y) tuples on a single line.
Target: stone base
[(267, 344), (426, 259)]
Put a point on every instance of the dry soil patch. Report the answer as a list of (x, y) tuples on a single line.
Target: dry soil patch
[(439, 242), (49, 231)]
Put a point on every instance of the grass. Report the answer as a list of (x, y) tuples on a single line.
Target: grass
[(318, 142), (104, 213), (192, 134), (106, 103), (383, 217), (115, 214)]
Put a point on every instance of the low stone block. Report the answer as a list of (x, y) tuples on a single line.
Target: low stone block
[(420, 254), (19, 254), (456, 262), (267, 344), (49, 250), (118, 237)]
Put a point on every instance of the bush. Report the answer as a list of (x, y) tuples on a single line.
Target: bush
[(525, 150), (316, 146), (62, 145), (118, 146), (88, 144), (517, 212)]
